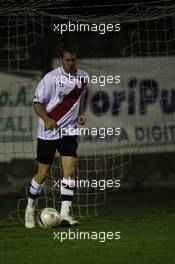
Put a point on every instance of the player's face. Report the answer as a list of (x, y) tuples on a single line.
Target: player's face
[(69, 62)]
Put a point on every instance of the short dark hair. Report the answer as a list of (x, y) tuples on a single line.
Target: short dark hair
[(68, 48)]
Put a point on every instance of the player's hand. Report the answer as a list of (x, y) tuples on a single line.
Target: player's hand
[(81, 119), (49, 123)]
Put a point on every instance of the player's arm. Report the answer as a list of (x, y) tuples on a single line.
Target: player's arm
[(81, 116), (40, 111), (40, 99)]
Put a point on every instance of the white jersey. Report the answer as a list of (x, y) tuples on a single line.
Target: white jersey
[(60, 95)]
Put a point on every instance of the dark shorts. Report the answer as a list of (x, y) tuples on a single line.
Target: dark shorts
[(66, 146)]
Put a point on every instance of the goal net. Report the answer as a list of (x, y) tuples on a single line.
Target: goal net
[(141, 104)]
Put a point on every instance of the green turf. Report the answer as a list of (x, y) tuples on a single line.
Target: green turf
[(146, 221)]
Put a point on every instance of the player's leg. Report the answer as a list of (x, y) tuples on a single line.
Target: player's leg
[(68, 152), (68, 183), (37, 184), (67, 190), (45, 154), (34, 191)]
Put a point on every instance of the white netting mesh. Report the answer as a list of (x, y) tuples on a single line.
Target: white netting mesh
[(151, 35)]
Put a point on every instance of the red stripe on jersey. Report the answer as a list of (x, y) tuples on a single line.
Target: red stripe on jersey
[(61, 109)]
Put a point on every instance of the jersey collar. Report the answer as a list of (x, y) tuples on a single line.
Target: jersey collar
[(66, 74)]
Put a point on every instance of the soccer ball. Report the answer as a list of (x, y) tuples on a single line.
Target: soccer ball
[(48, 218)]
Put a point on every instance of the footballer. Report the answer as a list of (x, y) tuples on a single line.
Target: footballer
[(59, 104)]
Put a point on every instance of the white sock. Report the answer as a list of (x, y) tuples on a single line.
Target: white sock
[(34, 192), (65, 208), (31, 202), (67, 192)]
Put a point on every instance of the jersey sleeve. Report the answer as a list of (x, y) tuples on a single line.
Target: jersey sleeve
[(42, 93)]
